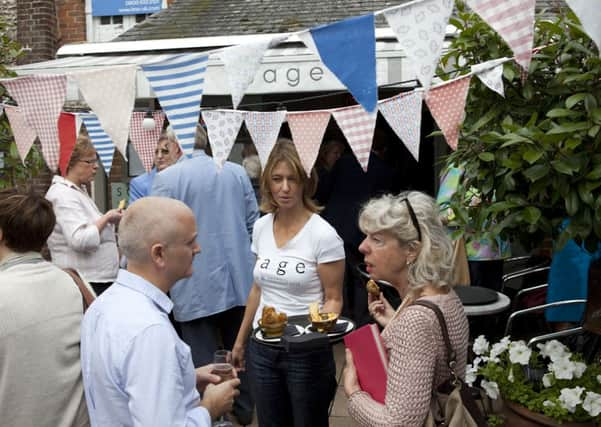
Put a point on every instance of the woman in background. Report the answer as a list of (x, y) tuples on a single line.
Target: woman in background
[(83, 238)]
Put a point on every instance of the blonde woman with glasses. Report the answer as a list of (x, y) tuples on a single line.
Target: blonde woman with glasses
[(407, 246)]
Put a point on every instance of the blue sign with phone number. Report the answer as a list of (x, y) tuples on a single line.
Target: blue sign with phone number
[(124, 7)]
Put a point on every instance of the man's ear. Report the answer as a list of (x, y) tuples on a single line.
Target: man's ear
[(157, 254)]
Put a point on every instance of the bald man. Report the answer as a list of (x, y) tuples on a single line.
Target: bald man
[(136, 370)]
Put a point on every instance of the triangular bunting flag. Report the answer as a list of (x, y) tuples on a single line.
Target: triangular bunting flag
[(23, 133), (264, 128), (241, 63), (110, 93), (348, 49), (67, 132), (358, 126), (178, 83), (490, 74), (589, 14), (145, 141), (514, 21), (420, 28), (308, 128), (41, 98), (446, 103), (222, 128), (101, 140), (404, 115)]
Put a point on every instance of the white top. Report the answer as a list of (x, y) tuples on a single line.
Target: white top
[(75, 241), (288, 275)]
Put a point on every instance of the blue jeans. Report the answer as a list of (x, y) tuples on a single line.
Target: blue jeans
[(291, 389)]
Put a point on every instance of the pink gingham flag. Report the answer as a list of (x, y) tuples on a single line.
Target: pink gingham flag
[(41, 99), (23, 133), (222, 128), (308, 128), (358, 126), (264, 128), (145, 141), (514, 21), (446, 103), (403, 113)]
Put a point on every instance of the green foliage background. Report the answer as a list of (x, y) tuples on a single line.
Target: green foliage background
[(535, 155), (14, 173)]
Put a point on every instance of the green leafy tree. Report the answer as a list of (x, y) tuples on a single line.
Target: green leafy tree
[(534, 156), (14, 173)]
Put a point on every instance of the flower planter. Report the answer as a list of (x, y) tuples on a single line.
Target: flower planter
[(519, 416)]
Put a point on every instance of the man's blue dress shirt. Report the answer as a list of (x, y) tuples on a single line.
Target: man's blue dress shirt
[(136, 370), (140, 186), (225, 207)]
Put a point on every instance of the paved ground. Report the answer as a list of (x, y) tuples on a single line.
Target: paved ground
[(338, 414)]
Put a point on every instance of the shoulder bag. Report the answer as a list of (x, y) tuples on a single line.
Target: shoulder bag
[(87, 296), (452, 403)]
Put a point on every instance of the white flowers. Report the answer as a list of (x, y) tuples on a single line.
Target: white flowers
[(569, 398), (592, 403), (491, 388), (548, 380), (481, 345), (519, 352), (564, 369), (553, 350)]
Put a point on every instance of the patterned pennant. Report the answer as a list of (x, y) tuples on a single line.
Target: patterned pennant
[(67, 133), (241, 64), (308, 129), (446, 103), (101, 140), (514, 21), (178, 83), (41, 98), (264, 128), (358, 127), (110, 93), (145, 141), (420, 28), (23, 133), (222, 128), (348, 49), (589, 14), (490, 74), (404, 115)]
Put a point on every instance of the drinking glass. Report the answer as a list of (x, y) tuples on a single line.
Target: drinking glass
[(222, 366)]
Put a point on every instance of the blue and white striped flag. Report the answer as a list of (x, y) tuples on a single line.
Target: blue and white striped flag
[(102, 142), (178, 84)]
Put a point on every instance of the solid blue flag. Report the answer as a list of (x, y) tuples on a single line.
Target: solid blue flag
[(348, 49)]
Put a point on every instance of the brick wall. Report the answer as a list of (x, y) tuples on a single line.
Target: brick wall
[(71, 21), (37, 29), (8, 9)]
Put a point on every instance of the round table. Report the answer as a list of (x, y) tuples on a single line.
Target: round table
[(501, 304)]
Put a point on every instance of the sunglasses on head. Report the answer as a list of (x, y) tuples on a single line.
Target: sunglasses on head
[(413, 218)]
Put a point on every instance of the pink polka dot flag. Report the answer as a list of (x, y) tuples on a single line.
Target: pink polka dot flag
[(308, 128), (23, 133), (358, 126), (41, 98), (446, 103)]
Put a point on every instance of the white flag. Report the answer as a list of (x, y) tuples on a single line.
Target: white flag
[(589, 13), (222, 128)]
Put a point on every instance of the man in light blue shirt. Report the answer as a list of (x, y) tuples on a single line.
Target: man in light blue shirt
[(136, 370), (210, 304)]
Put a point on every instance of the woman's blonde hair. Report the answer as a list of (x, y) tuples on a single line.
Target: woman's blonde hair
[(284, 151), (82, 147), (393, 214)]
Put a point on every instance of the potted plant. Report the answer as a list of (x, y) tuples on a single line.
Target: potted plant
[(550, 385), (534, 156)]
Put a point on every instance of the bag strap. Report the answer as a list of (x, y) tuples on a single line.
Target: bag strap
[(86, 295), (451, 355)]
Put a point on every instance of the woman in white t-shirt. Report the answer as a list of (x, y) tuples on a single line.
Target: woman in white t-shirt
[(300, 260)]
